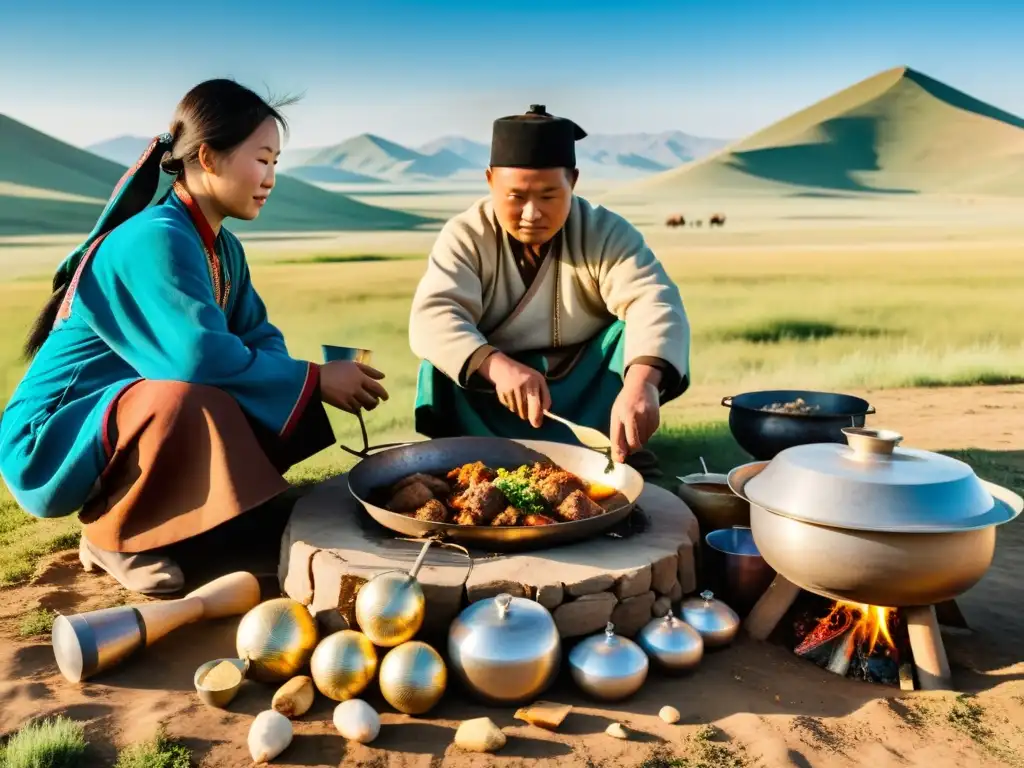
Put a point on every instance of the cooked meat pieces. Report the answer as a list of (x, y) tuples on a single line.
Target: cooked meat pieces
[(432, 512), (437, 486), (470, 474), (578, 506), (558, 485), (542, 469), (468, 517), (538, 520), (410, 498), (483, 499), (509, 517)]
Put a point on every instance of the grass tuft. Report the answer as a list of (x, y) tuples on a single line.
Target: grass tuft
[(53, 743), (38, 621), (783, 330), (158, 752)]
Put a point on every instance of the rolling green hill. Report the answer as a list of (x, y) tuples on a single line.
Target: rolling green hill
[(898, 132), (50, 187)]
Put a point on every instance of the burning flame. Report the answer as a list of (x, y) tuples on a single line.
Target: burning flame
[(875, 623), (869, 623)]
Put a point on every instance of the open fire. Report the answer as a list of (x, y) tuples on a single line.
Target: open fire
[(865, 642)]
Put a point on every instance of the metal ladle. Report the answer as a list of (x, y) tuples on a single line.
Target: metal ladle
[(589, 437)]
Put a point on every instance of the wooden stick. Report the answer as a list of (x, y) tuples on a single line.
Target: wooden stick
[(229, 595), (771, 607), (906, 677), (926, 645), (842, 653)]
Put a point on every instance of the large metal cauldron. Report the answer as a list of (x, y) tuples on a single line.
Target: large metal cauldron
[(444, 454), (862, 523), (763, 434)]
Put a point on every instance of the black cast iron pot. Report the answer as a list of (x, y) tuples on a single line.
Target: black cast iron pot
[(763, 434)]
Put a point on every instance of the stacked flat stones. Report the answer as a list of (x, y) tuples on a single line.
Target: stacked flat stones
[(331, 547)]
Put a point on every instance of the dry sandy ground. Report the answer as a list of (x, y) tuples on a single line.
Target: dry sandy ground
[(769, 707)]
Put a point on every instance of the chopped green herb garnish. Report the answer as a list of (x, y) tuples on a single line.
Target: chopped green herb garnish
[(520, 491)]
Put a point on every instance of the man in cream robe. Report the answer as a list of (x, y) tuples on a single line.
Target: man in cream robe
[(534, 299)]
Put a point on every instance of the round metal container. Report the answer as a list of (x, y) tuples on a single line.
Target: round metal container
[(277, 637), (872, 485), (390, 608), (505, 649), (343, 664), (608, 667), (745, 573), (440, 455), (763, 434), (413, 677), (895, 568), (716, 622), (672, 644), (713, 502), (218, 698)]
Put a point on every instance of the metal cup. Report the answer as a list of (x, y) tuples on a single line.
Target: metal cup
[(88, 643), (744, 573), (332, 353)]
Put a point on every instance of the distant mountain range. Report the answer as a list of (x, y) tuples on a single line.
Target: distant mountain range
[(898, 132), (49, 186), (368, 158)]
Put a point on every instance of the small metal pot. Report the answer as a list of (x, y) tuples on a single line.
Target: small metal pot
[(716, 621), (608, 667), (506, 650), (672, 644), (222, 697), (744, 574), (713, 502), (763, 434)]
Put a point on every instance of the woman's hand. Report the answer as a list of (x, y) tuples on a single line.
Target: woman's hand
[(351, 386)]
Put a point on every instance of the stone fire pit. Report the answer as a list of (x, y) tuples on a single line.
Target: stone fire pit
[(331, 547)]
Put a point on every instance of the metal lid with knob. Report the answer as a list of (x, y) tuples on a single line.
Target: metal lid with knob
[(716, 622), (873, 484), (609, 667), (505, 649), (672, 643)]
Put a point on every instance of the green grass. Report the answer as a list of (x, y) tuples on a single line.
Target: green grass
[(158, 752), (777, 331), (761, 319), (53, 743), (24, 539), (38, 621), (352, 258)]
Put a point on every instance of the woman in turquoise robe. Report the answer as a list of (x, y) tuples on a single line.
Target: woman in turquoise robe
[(160, 401)]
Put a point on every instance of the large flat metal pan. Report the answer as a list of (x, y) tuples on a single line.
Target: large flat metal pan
[(444, 454)]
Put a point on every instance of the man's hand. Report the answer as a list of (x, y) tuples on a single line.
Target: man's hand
[(636, 414), (521, 389)]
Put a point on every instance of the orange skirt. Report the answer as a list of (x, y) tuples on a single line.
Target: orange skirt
[(185, 458)]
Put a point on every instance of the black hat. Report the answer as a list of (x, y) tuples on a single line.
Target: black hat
[(535, 140)]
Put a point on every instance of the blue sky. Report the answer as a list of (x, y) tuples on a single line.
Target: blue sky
[(413, 71)]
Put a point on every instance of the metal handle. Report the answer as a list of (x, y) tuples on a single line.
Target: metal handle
[(870, 410), (504, 600), (368, 450), (871, 442), (727, 401), (438, 539)]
